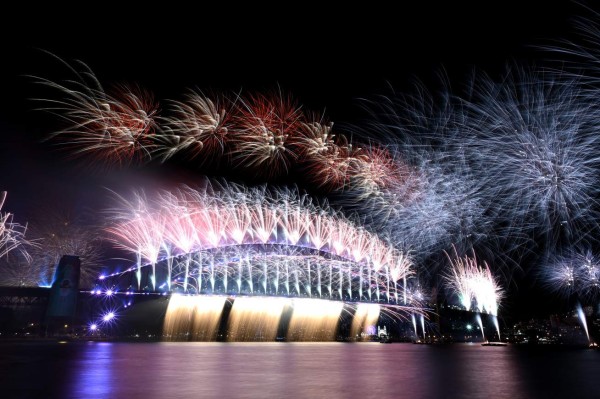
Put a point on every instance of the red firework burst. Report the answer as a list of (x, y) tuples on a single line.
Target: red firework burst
[(267, 128), (117, 128), (331, 163), (376, 169)]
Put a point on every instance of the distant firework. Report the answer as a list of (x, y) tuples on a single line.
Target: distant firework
[(474, 283), (576, 274)]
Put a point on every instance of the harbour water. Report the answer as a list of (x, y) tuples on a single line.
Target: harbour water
[(294, 370)]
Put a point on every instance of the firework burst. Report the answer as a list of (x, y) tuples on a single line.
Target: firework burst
[(375, 171), (576, 273), (116, 127), (329, 161), (200, 127), (474, 283), (267, 128), (265, 135), (428, 206), (534, 143)]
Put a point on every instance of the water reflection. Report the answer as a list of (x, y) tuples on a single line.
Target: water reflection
[(559, 373), (294, 370), (92, 375), (475, 371)]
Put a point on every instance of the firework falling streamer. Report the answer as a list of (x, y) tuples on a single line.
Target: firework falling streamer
[(414, 323), (480, 324), (139, 231), (583, 321), (12, 235)]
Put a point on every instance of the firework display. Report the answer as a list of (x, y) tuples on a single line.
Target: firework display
[(535, 142), (201, 127), (479, 171), (508, 166), (502, 172), (576, 273), (231, 239), (474, 284), (264, 135)]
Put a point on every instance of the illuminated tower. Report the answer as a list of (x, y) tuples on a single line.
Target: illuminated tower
[(62, 303)]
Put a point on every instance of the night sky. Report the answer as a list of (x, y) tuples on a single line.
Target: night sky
[(327, 58)]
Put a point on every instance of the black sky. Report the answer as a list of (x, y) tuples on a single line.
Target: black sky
[(327, 58)]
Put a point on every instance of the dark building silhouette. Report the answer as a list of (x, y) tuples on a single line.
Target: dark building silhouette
[(62, 303)]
